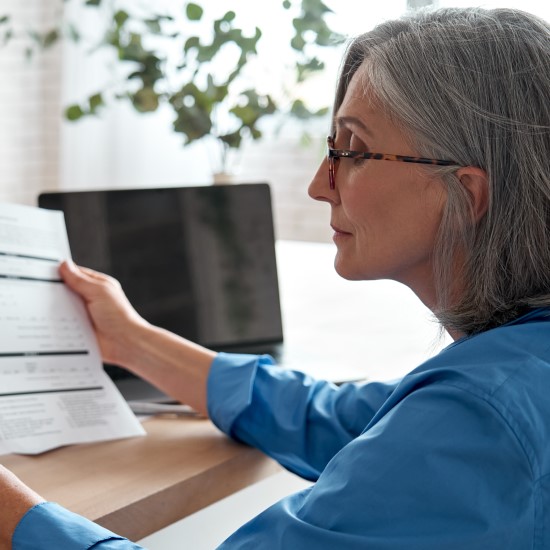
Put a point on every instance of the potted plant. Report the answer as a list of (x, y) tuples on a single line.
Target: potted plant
[(204, 86)]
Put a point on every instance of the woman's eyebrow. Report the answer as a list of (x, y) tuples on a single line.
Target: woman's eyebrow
[(347, 121)]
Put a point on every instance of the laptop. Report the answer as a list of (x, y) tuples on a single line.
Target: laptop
[(197, 261)]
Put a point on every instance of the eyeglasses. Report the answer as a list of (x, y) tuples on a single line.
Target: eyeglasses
[(334, 155)]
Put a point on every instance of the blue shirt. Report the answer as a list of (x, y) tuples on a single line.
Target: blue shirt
[(454, 455)]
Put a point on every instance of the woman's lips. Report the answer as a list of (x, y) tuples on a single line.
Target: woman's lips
[(339, 233)]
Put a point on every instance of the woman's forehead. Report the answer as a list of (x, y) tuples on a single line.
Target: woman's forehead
[(359, 99), (360, 107)]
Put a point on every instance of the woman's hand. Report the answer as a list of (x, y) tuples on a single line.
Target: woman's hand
[(16, 499), (115, 321), (173, 364)]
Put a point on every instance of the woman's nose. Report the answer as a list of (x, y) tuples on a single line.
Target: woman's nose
[(319, 188)]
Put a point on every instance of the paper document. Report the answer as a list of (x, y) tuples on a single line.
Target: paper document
[(53, 389)]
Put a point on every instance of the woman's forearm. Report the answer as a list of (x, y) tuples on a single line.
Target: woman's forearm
[(173, 364), (16, 499)]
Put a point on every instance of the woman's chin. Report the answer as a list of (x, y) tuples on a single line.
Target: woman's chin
[(346, 270), (351, 271)]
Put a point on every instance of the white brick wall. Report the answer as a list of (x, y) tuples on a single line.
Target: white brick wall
[(29, 106)]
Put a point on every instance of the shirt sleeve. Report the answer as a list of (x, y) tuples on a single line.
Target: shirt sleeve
[(300, 422), (49, 526), (441, 469)]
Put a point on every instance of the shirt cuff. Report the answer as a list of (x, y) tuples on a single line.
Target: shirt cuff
[(229, 386), (49, 526)]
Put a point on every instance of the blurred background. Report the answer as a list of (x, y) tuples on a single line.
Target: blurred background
[(62, 59)]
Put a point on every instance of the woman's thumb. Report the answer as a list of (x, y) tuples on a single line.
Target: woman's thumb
[(74, 278)]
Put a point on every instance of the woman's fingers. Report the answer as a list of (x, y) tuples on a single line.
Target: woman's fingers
[(74, 276), (96, 275), (82, 280)]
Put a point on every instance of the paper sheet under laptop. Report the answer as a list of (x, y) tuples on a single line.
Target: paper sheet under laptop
[(53, 389)]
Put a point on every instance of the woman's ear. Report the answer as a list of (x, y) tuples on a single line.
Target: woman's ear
[(476, 183)]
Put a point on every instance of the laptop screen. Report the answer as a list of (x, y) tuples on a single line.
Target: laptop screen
[(198, 261)]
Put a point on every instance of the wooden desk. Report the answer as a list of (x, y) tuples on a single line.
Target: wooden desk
[(137, 486)]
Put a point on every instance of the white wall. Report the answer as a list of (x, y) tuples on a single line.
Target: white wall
[(29, 108)]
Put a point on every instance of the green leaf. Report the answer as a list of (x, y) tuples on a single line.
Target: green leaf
[(145, 100), (287, 4), (207, 53), (238, 68), (93, 2), (325, 37), (45, 40), (193, 122), (121, 17), (95, 101), (154, 26), (133, 51), (8, 35), (193, 12), (246, 113), (312, 18), (151, 71), (229, 16), (253, 108), (306, 69), (298, 43), (112, 38), (74, 112), (73, 32), (315, 7), (4, 19), (50, 38), (191, 42), (301, 112), (233, 139), (300, 24)]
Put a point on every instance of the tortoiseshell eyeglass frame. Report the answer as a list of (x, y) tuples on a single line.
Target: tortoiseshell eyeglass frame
[(336, 154)]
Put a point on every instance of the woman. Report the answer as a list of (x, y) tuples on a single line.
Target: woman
[(437, 176)]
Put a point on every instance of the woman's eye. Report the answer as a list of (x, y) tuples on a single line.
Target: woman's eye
[(357, 145), (341, 141)]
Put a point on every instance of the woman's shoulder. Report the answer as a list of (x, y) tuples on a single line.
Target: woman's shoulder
[(504, 374), (499, 360)]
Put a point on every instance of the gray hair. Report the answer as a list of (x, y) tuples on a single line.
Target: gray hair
[(473, 85)]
